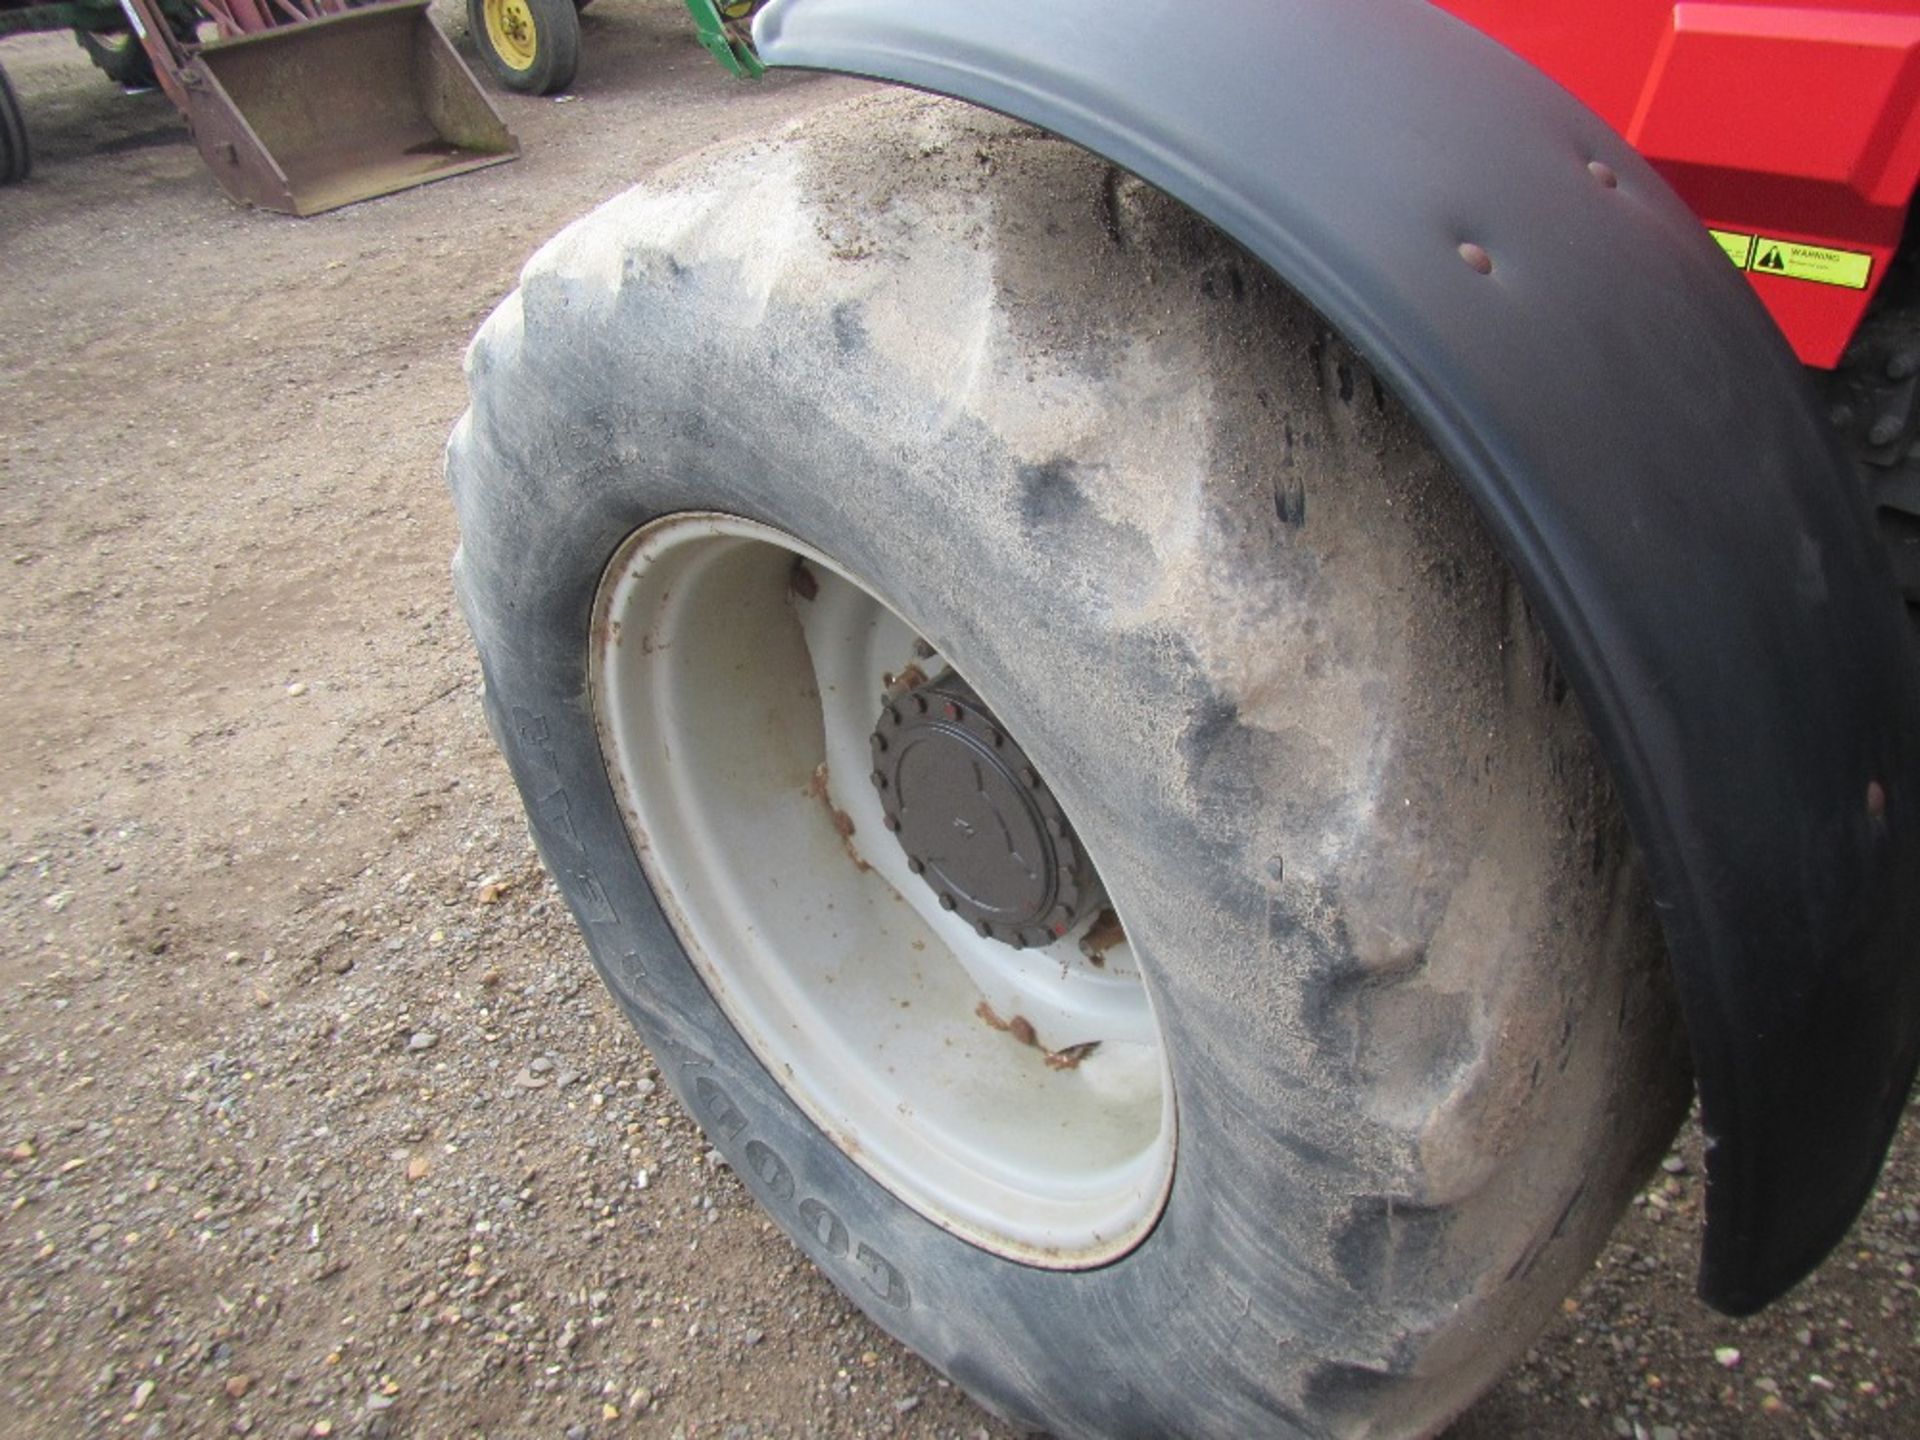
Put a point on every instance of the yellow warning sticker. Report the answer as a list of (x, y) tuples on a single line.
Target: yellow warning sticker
[(1739, 247), (1847, 268)]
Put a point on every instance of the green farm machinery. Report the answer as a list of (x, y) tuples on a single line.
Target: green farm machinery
[(296, 105), (305, 105)]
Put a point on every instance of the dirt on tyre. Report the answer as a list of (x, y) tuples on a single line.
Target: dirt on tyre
[(532, 46), (16, 157), (920, 572)]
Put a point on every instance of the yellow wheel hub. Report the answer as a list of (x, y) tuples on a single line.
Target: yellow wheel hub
[(510, 31)]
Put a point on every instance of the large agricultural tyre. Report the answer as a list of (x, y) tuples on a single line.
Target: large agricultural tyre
[(1874, 400), (1048, 759), (532, 46), (16, 156)]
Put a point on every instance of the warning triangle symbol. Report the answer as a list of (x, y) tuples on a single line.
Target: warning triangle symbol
[(1771, 260)]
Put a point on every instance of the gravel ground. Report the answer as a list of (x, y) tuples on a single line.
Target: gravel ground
[(313, 1118)]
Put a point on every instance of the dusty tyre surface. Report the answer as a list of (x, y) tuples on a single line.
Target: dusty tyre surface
[(1412, 1018), (16, 157), (532, 46)]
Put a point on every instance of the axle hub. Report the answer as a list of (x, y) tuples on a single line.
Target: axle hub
[(978, 823)]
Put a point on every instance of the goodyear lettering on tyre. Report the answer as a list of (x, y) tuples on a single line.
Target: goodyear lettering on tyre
[(726, 1122)]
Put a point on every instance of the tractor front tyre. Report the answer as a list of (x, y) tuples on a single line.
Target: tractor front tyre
[(120, 57), (1048, 759), (532, 46), (16, 157)]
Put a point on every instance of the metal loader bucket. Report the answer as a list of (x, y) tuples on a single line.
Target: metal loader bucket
[(303, 118)]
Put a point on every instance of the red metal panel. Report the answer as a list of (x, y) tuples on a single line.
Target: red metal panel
[(1786, 120), (1829, 82)]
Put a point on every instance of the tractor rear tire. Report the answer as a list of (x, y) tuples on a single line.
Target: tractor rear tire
[(1199, 571), (16, 156), (1873, 399), (532, 46)]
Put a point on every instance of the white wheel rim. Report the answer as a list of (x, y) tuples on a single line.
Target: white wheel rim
[(734, 717)]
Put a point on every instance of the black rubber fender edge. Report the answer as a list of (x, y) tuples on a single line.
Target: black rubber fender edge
[(1643, 447)]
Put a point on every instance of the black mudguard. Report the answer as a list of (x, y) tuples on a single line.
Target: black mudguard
[(1643, 446)]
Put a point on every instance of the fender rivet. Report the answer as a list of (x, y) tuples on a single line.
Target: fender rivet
[(946, 902), (1603, 172), (1876, 800), (916, 865), (1477, 257)]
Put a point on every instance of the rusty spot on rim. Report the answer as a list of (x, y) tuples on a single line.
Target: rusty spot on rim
[(1068, 1057), (842, 822), (1476, 256), (1071, 1056), (1102, 936)]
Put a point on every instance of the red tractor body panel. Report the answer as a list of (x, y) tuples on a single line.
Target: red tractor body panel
[(1792, 127)]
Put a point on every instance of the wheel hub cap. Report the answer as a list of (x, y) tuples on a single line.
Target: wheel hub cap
[(511, 29), (978, 823)]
